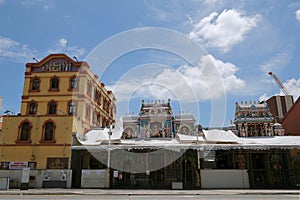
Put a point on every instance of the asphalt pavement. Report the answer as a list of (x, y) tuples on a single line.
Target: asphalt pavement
[(61, 191)]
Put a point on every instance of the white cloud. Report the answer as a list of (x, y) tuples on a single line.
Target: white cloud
[(293, 87), (190, 19), (264, 97), (297, 15), (30, 3), (63, 47), (1, 2), (162, 13), (277, 62), (210, 2), (46, 7), (227, 71), (223, 30), (44, 4), (186, 83), (18, 52), (63, 42), (12, 49)]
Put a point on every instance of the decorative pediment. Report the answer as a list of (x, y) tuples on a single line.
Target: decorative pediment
[(57, 65)]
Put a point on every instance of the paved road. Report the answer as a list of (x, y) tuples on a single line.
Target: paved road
[(152, 197), (74, 194)]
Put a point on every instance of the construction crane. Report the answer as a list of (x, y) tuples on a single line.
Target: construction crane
[(279, 83)]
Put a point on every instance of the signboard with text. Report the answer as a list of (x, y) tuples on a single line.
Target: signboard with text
[(18, 165)]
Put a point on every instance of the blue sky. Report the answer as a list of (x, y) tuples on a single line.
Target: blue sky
[(243, 39)]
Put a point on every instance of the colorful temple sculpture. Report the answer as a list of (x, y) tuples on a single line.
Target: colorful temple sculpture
[(254, 119), (156, 120), (184, 123)]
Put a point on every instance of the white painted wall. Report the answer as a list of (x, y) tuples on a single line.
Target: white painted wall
[(16, 175), (215, 178), (98, 178)]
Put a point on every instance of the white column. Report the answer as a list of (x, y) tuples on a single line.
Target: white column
[(279, 107)]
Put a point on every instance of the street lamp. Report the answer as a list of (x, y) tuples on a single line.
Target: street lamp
[(108, 151), (109, 143), (199, 132)]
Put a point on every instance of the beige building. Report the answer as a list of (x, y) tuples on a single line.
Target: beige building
[(60, 97)]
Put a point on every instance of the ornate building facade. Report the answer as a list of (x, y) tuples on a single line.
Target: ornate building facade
[(255, 119), (60, 97), (156, 120)]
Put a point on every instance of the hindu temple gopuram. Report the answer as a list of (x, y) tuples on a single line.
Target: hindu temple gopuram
[(255, 119), (156, 120)]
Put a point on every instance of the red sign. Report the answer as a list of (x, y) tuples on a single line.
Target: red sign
[(18, 165)]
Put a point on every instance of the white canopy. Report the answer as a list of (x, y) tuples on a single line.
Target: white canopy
[(220, 136), (211, 139), (99, 135), (190, 138)]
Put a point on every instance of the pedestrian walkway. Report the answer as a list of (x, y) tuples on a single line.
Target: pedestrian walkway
[(60, 191)]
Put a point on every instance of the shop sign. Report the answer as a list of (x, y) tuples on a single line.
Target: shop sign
[(18, 165)]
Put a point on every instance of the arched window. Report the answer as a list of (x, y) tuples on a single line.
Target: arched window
[(54, 84), (25, 131), (72, 108), (52, 108), (49, 132), (35, 84), (74, 83), (32, 108)]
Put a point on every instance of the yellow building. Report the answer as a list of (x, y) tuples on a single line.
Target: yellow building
[(60, 97)]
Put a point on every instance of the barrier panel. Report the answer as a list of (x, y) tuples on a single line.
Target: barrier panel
[(4, 183)]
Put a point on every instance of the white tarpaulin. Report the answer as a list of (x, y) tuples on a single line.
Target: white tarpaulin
[(97, 136), (190, 138), (211, 139), (220, 136)]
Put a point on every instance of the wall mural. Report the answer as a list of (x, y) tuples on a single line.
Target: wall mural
[(57, 163)]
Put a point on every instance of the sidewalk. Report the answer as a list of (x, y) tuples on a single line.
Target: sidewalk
[(60, 191)]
